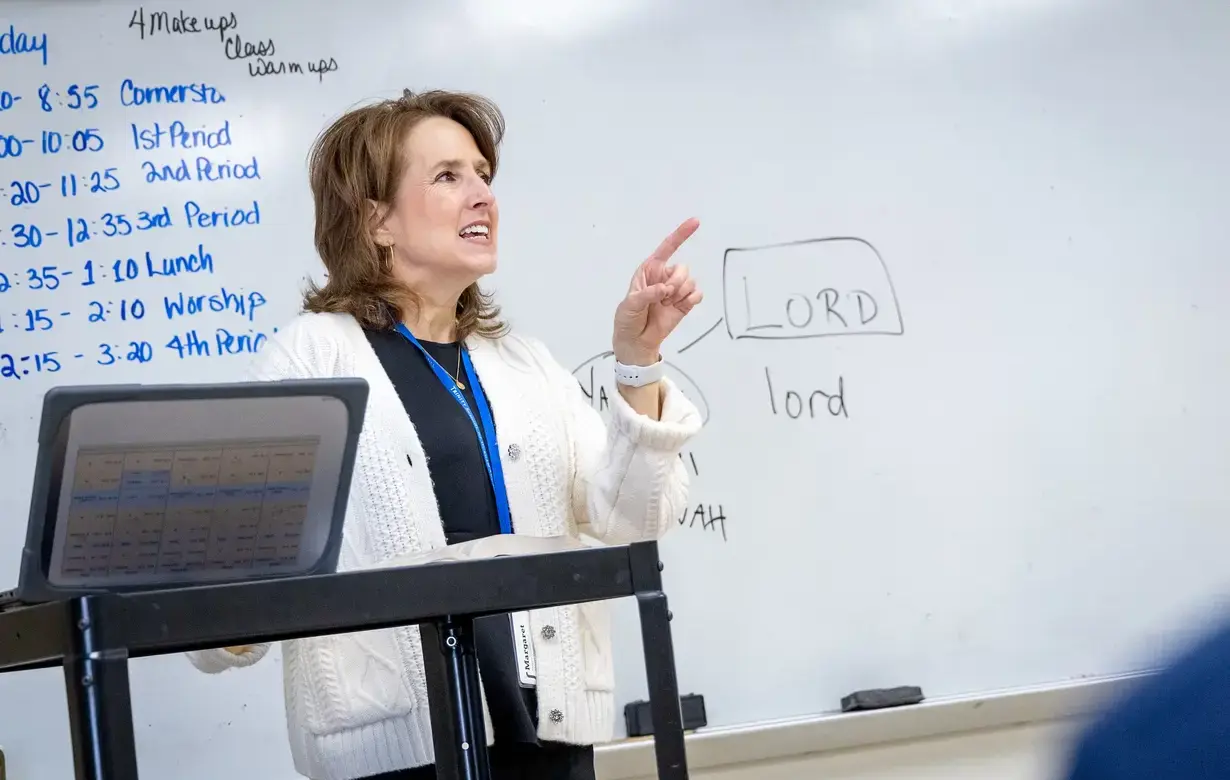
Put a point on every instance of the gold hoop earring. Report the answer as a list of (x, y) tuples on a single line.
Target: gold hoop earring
[(386, 257)]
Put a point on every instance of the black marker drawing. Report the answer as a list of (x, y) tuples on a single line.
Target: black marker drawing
[(808, 289), (705, 518), (690, 459), (700, 338), (598, 383), (832, 400)]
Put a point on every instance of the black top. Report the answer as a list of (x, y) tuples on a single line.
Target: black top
[(467, 507)]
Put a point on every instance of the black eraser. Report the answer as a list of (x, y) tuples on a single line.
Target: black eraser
[(881, 698), (639, 719)]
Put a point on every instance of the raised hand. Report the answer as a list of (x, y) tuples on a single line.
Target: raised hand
[(658, 299)]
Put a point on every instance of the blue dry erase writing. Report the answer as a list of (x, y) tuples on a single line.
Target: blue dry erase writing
[(223, 342), (202, 169), (16, 43), (8, 100), (134, 94), (178, 135), (244, 304), (74, 97), (198, 216), (72, 150)]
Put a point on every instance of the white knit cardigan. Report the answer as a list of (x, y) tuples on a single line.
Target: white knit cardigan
[(356, 704)]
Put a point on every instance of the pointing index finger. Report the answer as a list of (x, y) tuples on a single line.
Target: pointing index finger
[(672, 242)]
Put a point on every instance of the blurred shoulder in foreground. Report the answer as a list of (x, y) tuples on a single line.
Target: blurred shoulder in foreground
[(1176, 724)]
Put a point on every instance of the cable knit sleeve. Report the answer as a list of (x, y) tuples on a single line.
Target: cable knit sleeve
[(286, 356), (628, 482), (218, 659)]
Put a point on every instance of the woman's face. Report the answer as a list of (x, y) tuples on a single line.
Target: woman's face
[(443, 223)]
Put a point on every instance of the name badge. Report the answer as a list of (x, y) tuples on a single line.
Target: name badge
[(523, 650)]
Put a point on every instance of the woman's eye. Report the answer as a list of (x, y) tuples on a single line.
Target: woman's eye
[(446, 176)]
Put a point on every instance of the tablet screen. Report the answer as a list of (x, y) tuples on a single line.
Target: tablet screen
[(189, 491)]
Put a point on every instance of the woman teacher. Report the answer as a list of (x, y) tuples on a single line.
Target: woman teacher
[(471, 430)]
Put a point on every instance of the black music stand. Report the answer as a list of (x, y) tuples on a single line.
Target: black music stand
[(94, 636), (92, 617)]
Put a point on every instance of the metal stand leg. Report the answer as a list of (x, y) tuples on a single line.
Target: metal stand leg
[(664, 707), (455, 697), (665, 710), (99, 703)]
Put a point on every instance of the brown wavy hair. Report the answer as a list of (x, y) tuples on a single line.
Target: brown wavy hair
[(359, 159)]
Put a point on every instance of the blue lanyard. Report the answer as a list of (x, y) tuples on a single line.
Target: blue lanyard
[(484, 425)]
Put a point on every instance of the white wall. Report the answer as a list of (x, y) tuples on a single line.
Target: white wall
[(1032, 752)]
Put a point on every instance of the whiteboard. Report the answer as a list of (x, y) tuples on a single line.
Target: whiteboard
[(963, 355)]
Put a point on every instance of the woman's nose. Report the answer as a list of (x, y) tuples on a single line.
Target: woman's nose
[(480, 192)]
